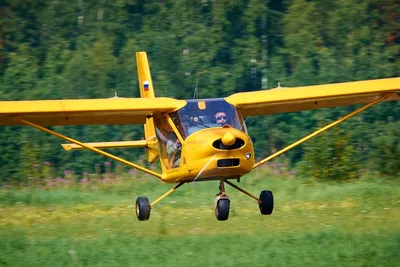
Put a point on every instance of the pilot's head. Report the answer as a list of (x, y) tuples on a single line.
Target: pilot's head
[(221, 118)]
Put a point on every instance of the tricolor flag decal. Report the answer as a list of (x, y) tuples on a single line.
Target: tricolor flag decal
[(146, 85)]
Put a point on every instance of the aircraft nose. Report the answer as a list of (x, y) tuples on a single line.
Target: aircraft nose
[(228, 138)]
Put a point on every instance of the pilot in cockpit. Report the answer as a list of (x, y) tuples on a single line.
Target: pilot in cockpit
[(221, 118)]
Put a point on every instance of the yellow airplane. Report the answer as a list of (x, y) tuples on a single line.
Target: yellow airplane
[(195, 140)]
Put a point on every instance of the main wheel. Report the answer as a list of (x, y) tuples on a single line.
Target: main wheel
[(222, 209), (142, 208), (266, 204)]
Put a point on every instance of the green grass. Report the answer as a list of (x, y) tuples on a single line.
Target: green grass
[(313, 224)]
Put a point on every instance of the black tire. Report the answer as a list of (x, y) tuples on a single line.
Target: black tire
[(266, 204), (222, 209), (142, 208)]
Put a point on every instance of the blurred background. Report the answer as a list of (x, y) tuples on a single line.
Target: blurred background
[(56, 205), (86, 49)]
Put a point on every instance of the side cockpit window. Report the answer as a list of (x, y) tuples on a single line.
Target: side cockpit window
[(169, 144)]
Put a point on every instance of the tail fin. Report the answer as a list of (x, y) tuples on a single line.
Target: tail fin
[(147, 91)]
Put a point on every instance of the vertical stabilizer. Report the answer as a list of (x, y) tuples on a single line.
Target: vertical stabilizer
[(147, 91)]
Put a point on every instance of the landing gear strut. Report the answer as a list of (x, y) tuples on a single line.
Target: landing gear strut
[(265, 201), (143, 206)]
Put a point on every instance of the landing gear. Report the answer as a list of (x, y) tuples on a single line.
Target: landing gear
[(222, 208), (222, 203), (143, 208), (266, 202)]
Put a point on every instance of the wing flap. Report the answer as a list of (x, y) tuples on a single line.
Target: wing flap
[(86, 111), (282, 100)]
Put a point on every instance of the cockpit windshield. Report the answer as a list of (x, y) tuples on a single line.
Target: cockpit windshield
[(203, 114)]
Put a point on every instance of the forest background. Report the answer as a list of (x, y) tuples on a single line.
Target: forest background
[(86, 49)]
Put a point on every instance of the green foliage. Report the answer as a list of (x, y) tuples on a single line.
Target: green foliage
[(330, 156), (21, 75), (86, 49), (385, 153)]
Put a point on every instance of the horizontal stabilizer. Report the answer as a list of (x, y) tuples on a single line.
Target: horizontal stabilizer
[(106, 145)]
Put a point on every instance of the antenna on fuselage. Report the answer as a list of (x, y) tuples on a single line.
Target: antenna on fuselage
[(115, 96)]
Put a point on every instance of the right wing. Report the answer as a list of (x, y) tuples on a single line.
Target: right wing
[(86, 111), (280, 100)]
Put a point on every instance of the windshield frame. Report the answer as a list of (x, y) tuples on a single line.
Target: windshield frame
[(200, 114)]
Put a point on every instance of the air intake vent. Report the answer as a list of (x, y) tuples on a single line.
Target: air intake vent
[(219, 145), (228, 162)]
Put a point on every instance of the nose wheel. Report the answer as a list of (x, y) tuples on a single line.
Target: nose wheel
[(222, 208), (222, 203)]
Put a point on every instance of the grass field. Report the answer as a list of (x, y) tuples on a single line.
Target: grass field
[(313, 224)]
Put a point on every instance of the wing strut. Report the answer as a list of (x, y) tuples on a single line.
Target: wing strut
[(89, 147), (380, 99)]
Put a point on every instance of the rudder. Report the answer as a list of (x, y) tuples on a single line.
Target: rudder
[(147, 91)]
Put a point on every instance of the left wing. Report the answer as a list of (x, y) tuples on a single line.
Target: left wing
[(86, 111), (280, 100)]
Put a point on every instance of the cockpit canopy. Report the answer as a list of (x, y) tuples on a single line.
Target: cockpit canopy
[(202, 114)]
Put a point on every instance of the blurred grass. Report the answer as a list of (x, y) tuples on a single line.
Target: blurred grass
[(313, 224)]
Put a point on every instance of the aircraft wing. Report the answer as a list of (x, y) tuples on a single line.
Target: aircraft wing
[(86, 111), (280, 100)]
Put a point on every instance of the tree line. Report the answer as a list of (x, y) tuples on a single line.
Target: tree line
[(86, 49)]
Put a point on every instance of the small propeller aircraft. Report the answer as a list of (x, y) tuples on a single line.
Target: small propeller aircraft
[(195, 140)]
